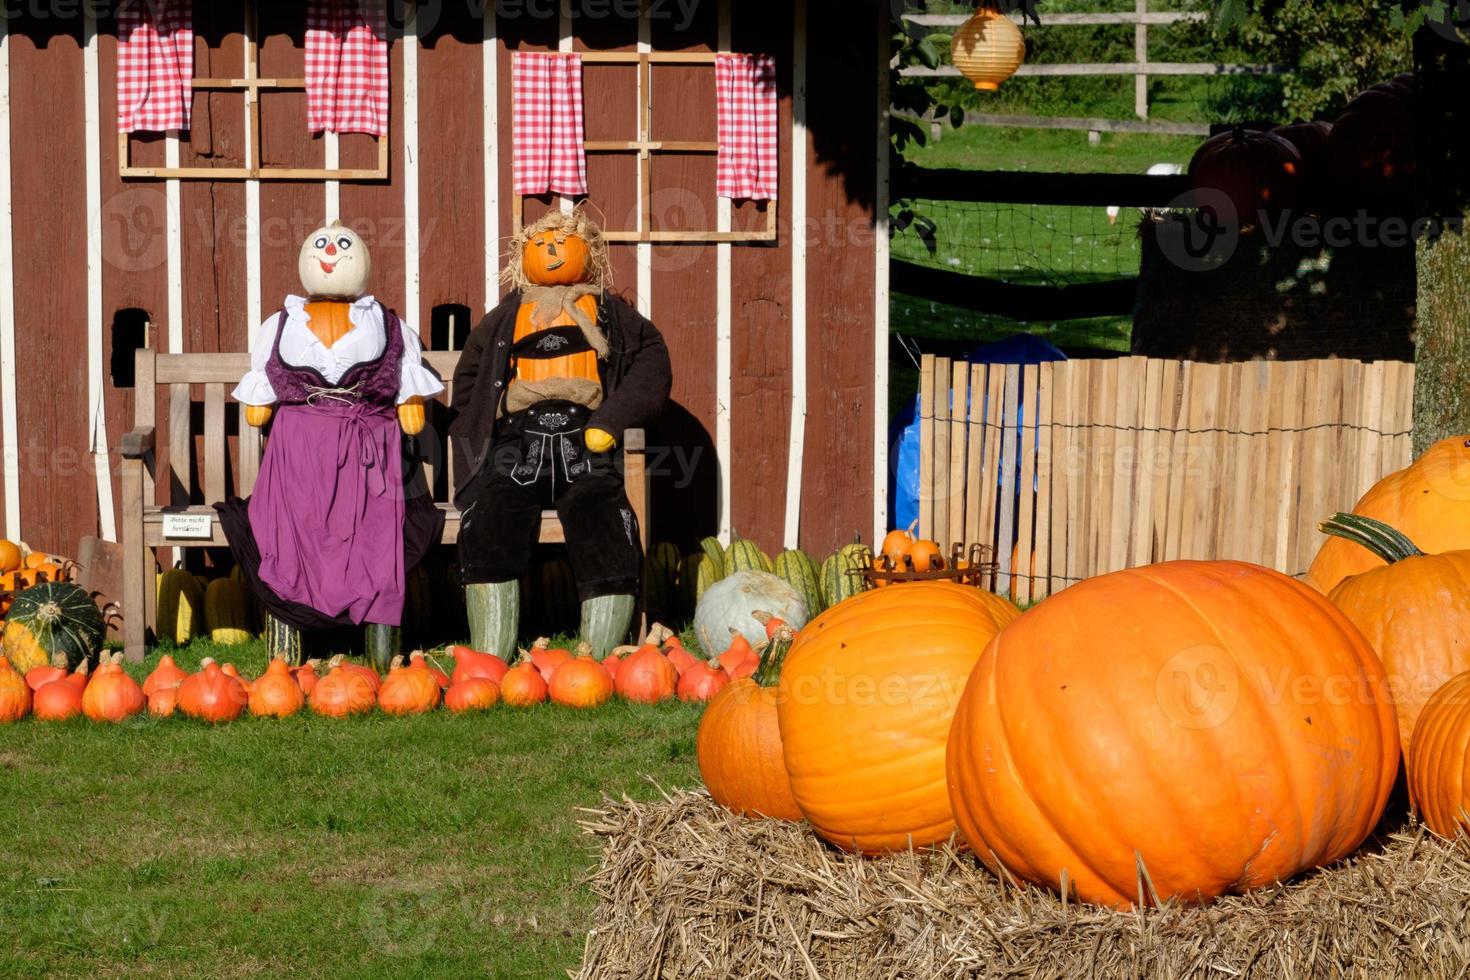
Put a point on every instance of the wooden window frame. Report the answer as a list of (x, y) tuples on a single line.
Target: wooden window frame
[(645, 147), (252, 86)]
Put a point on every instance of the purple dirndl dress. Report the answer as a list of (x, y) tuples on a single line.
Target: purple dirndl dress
[(323, 535)]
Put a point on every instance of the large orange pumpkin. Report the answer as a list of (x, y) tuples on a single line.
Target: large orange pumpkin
[(866, 697), (1219, 722), (741, 758), (1415, 612), (1439, 759), (1429, 502)]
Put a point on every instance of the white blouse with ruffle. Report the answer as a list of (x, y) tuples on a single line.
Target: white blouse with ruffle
[(364, 342)]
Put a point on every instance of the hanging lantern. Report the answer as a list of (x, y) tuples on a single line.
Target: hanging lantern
[(988, 48)]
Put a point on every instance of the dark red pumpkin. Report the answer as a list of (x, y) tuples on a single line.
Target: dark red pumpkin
[(1310, 141), (1255, 172), (1372, 147)]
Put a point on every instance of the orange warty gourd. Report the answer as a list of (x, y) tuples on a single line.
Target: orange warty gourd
[(472, 663), (409, 690), (701, 682), (275, 694), (581, 683), (739, 747), (15, 694), (1429, 502), (111, 695), (523, 686), (346, 690), (546, 658), (1439, 759), (866, 696), (212, 695), (1414, 612), (166, 674), (646, 677), (472, 694), (163, 702), (1219, 721), (60, 700)]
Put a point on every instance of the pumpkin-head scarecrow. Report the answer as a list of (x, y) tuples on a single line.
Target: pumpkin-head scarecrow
[(329, 530), (546, 386)]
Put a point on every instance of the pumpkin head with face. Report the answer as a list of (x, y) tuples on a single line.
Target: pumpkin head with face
[(561, 248), (334, 263)]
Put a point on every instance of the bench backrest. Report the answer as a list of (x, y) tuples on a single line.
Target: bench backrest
[(207, 450)]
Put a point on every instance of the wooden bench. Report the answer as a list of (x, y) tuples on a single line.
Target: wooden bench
[(198, 429)]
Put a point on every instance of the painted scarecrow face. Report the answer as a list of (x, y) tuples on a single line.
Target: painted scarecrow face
[(555, 258), (334, 263)]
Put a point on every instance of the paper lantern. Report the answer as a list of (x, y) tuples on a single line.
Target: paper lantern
[(988, 49)]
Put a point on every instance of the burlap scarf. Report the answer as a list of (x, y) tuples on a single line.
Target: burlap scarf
[(552, 301)]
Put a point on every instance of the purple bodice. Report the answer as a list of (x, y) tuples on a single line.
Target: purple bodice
[(376, 381)]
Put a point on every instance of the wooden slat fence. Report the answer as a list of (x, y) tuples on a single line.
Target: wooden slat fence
[(1075, 468)]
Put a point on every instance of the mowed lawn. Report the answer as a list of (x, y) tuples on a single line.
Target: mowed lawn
[(377, 847)]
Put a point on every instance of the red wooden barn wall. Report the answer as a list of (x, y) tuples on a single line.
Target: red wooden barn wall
[(47, 80)]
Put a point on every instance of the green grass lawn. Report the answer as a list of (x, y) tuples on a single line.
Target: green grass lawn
[(429, 846)]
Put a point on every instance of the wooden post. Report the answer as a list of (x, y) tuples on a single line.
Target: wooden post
[(1140, 54)]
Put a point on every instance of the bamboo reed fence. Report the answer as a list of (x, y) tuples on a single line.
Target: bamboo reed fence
[(1076, 468)]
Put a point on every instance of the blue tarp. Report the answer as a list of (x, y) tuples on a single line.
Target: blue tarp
[(903, 432)]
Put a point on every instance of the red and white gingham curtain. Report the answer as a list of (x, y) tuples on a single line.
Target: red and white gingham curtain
[(155, 65), (749, 166), (549, 153), (346, 67)]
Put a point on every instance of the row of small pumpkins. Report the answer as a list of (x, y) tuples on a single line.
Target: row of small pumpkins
[(1187, 729), (219, 693), (21, 568), (1367, 157)]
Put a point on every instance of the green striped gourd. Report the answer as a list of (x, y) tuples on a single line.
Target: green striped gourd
[(800, 572), (716, 553), (661, 582), (744, 555), (841, 573), (282, 641), (51, 621), (227, 612), (180, 607)]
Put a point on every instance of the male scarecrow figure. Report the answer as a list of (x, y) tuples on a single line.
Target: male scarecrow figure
[(329, 531), (545, 388)]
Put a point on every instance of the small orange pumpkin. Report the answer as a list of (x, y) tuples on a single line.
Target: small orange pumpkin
[(581, 683), (15, 694), (555, 258), (166, 674), (212, 695), (276, 694), (546, 658), (111, 695), (523, 686), (346, 690), (412, 690), (647, 677), (60, 700), (472, 694), (163, 702), (925, 556), (701, 682)]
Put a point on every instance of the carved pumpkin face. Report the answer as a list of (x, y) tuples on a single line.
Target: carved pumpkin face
[(555, 258), (334, 263)]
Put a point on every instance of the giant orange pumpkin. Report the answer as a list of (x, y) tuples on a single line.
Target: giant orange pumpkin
[(1219, 722), (1429, 502), (866, 697), (1439, 759), (741, 758), (1414, 611)]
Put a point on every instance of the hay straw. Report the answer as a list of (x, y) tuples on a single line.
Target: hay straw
[(688, 890)]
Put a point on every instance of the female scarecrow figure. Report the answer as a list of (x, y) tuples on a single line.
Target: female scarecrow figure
[(329, 531), (546, 385)]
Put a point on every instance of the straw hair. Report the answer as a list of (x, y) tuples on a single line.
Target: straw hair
[(574, 222), (687, 890)]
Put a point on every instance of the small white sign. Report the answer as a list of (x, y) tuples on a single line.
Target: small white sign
[(192, 526)]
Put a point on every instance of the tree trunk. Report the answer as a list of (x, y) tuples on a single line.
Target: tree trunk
[(1442, 330)]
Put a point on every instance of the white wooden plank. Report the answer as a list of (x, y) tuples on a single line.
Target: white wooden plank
[(796, 455), (412, 238), (880, 283), (96, 374)]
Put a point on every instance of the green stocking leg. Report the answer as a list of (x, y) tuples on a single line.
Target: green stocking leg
[(282, 641), (495, 617), (605, 622), (381, 644)]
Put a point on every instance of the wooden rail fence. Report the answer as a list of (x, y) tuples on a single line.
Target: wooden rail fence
[(1076, 468)]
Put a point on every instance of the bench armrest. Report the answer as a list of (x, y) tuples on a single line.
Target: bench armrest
[(635, 441), (138, 443)]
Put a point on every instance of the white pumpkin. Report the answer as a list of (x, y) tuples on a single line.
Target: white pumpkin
[(731, 603), (334, 263)]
